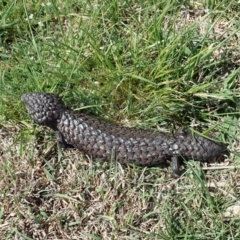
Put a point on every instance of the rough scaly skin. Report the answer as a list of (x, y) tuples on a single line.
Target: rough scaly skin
[(105, 140)]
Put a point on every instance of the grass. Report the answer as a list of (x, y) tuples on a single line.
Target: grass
[(160, 65)]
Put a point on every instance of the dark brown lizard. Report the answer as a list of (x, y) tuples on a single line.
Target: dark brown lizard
[(105, 140)]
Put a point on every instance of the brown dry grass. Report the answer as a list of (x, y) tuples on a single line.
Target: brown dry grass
[(49, 194)]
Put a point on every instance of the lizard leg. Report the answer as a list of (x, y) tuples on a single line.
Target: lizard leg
[(61, 140), (175, 167)]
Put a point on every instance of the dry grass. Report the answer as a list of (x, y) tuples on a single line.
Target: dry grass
[(49, 194)]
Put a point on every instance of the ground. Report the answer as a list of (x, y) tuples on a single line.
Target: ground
[(158, 66)]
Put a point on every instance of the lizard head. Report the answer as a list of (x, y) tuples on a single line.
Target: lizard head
[(44, 108)]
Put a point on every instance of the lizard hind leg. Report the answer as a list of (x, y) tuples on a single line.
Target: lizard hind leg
[(176, 173)]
